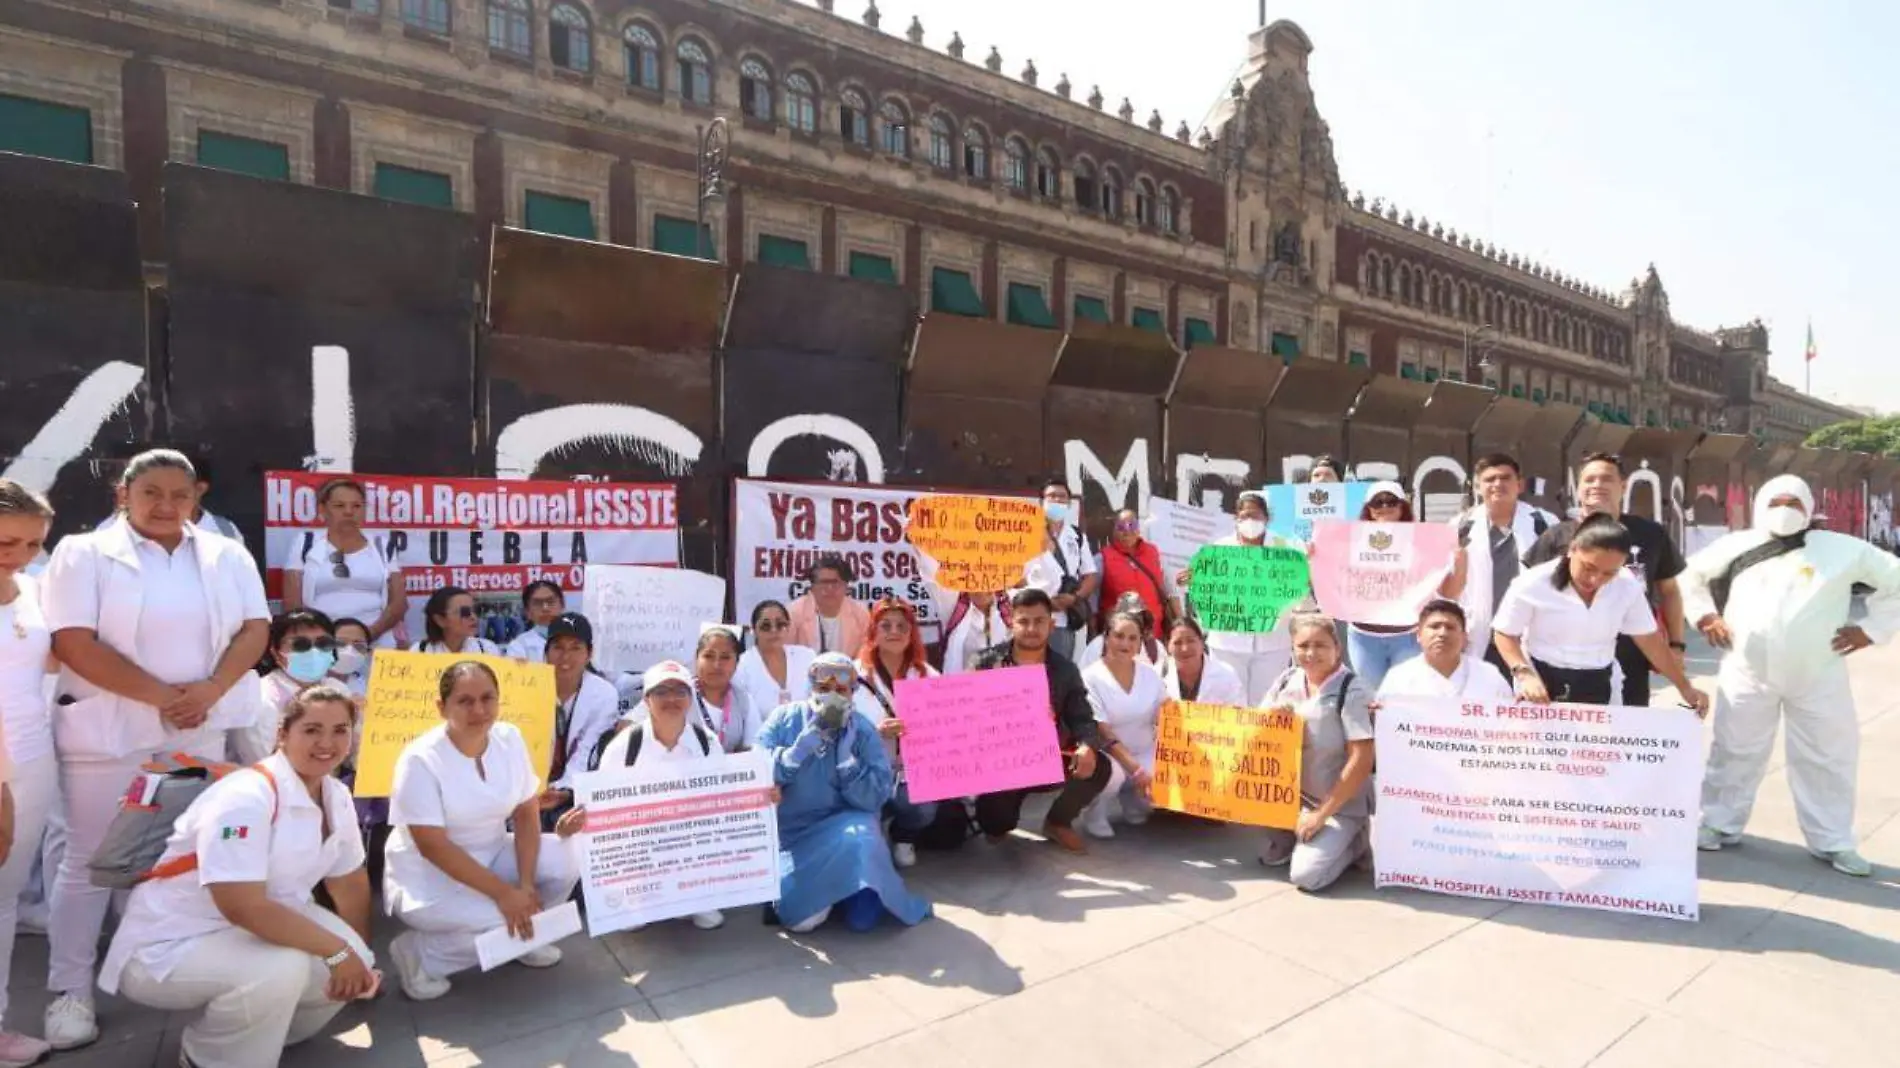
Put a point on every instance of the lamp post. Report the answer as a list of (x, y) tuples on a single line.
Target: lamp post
[(1477, 337), (712, 177)]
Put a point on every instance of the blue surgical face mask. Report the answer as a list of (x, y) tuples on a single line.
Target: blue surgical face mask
[(541, 630), (1055, 511), (311, 665)]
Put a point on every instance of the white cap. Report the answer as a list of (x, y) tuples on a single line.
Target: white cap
[(1393, 488), (666, 671)]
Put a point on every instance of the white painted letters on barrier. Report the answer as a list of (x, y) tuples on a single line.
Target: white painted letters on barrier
[(1079, 460)]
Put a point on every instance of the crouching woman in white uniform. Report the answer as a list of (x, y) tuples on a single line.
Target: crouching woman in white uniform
[(453, 870), (226, 926)]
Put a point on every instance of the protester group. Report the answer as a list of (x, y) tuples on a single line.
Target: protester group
[(143, 659)]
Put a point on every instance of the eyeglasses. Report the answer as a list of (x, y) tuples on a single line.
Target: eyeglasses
[(670, 691), (767, 626), (304, 645), (339, 564)]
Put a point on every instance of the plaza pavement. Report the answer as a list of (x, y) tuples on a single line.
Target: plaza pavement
[(1171, 946)]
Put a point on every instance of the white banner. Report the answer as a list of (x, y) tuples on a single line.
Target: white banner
[(672, 840), (780, 528), (1573, 805), (1178, 529), (643, 615)]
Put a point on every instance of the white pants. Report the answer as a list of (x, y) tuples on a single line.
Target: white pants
[(257, 997), (1823, 750), (35, 794), (37, 894), (1319, 863), (1257, 671), (91, 790), (446, 927)]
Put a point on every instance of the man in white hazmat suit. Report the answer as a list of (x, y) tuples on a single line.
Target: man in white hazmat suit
[(1776, 597)]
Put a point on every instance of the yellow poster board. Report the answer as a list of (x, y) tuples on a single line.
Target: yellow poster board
[(1236, 765), (403, 703), (980, 544)]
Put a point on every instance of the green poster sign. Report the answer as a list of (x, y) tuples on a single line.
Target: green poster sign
[(1242, 589)]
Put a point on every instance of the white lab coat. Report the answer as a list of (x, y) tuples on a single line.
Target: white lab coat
[(1220, 685), (1476, 598), (1782, 614)]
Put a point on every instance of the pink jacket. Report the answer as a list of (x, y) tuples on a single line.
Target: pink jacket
[(854, 622)]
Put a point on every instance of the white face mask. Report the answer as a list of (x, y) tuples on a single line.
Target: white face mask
[(1251, 529), (1784, 521), (349, 662)]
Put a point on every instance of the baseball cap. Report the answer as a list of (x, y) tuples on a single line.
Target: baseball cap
[(572, 625), (1393, 488), (665, 671)]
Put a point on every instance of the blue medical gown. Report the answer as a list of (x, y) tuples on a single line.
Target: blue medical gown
[(830, 842)]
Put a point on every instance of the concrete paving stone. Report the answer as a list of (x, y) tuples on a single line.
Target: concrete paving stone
[(949, 963), (1077, 1019), (1757, 1000), (781, 1018), (1351, 932), (1509, 1003), (114, 1051), (917, 1049), (675, 955), (1662, 1039), (511, 1001), (1357, 1030), (631, 1037), (1824, 950), (1214, 984)]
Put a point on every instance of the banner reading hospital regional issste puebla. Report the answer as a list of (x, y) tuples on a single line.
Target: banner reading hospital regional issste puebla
[(1379, 573), (1575, 805), (677, 839), (489, 536), (780, 528)]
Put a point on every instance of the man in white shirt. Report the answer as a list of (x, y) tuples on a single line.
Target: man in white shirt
[(1493, 538), (1066, 569), (1444, 667), (1776, 597)]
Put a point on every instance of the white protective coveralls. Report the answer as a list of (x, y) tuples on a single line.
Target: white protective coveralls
[(1782, 614)]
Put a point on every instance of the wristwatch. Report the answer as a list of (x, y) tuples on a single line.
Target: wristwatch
[(337, 958), (1522, 670), (1680, 647)]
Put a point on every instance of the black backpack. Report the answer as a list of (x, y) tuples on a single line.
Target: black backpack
[(639, 736)]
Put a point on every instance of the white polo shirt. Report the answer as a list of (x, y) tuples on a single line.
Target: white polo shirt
[(1474, 679), (231, 829), (1557, 628)]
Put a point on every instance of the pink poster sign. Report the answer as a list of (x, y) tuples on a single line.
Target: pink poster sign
[(978, 733), (1379, 573)]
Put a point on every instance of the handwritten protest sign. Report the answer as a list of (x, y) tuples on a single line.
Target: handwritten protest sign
[(672, 840), (1236, 765), (1242, 589), (402, 703), (1379, 573), (1177, 530), (643, 615), (977, 733), (1292, 509), (1573, 805), (980, 544)]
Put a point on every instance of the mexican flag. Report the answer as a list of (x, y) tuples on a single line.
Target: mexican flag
[(1811, 349)]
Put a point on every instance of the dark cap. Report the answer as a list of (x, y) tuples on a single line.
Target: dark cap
[(571, 625)]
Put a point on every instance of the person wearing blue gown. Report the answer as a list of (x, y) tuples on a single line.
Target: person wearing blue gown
[(835, 778)]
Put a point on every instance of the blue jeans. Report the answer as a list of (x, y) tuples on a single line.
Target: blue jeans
[(1373, 655), (907, 819)]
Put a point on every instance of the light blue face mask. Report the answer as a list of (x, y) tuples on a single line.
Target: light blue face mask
[(1055, 512), (541, 630), (311, 665)]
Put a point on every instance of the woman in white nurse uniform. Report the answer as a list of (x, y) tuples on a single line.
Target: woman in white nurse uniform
[(345, 573), (32, 787), (226, 925), (155, 624), (453, 870)]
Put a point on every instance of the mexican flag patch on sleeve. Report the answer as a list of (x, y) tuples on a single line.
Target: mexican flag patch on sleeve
[(230, 833)]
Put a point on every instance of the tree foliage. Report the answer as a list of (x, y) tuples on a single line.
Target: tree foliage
[(1879, 435)]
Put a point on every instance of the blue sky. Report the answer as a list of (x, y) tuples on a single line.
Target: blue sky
[(1743, 147)]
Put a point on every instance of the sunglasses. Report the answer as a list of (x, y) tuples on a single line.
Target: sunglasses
[(1128, 528), (465, 612), (304, 645), (339, 564), (1386, 501), (770, 625)]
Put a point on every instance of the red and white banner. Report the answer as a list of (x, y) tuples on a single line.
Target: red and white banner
[(489, 536), (1379, 573)]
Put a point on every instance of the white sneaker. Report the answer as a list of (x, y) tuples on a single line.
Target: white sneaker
[(811, 923), (709, 921), (1847, 862), (1095, 822), (18, 1051), (1135, 815), (417, 983), (1710, 840), (541, 957), (70, 1022), (904, 855)]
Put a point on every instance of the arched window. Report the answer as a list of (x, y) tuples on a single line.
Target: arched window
[(801, 102), (1405, 284), (1170, 210), (1087, 190), (943, 143), (1016, 164), (1385, 264), (1112, 186), (854, 118), (643, 57), (976, 154), (755, 89), (1144, 202), (894, 129), (508, 30), (1048, 175), (694, 63), (570, 39), (1368, 274), (429, 16)]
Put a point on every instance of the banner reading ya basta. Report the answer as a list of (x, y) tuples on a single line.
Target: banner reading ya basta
[(1573, 805), (676, 839), (489, 536)]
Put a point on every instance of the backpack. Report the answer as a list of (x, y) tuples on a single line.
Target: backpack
[(128, 854), (639, 736), (1538, 525)]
